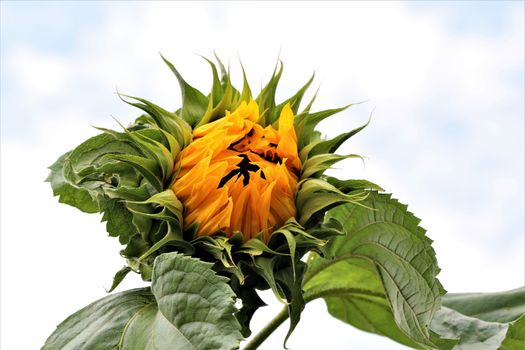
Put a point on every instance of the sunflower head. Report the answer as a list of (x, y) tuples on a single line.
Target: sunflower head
[(231, 179), (238, 176)]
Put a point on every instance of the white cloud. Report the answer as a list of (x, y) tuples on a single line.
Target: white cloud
[(42, 75)]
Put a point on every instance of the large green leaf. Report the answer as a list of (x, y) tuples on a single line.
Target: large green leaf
[(188, 307), (354, 293), (381, 275), (197, 301)]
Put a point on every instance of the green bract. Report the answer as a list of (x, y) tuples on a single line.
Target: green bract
[(369, 260)]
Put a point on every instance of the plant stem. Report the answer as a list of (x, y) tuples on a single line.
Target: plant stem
[(283, 315), (267, 330)]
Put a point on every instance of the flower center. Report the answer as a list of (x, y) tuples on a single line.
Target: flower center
[(243, 170)]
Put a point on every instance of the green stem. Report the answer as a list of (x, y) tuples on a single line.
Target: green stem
[(267, 330), (278, 320)]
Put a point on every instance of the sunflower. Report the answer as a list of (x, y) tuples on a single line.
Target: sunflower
[(237, 176), (231, 179)]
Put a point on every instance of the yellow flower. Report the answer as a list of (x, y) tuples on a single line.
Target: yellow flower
[(238, 176)]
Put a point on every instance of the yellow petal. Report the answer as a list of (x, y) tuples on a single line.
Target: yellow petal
[(238, 176)]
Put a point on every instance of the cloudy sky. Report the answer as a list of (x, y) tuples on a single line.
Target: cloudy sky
[(445, 81)]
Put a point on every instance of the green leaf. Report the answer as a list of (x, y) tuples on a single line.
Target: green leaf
[(68, 193), (119, 276), (196, 301), (86, 158), (515, 337), (347, 186), (266, 98), (218, 111), (194, 103), (251, 302), (167, 121), (290, 280), (150, 330), (246, 93), (331, 145), (216, 88), (308, 107), (476, 334), (318, 164), (102, 324), (353, 292), (124, 175), (224, 73), (119, 221), (306, 123), (92, 179), (492, 307), (172, 236), (87, 169), (294, 101), (483, 320), (380, 276), (188, 307), (145, 166), (155, 151), (285, 284), (315, 197)]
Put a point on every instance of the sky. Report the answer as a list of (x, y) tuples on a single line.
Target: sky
[(443, 81)]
